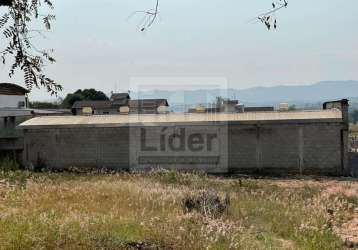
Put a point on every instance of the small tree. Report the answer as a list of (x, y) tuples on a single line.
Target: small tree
[(84, 95)]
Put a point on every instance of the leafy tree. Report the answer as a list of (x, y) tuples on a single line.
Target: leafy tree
[(16, 28), (44, 105), (84, 95), (70, 99), (92, 94)]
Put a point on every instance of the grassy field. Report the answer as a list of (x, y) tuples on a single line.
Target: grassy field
[(170, 210)]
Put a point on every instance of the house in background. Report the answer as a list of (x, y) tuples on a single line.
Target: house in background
[(93, 107), (120, 103), (14, 109), (228, 106), (148, 106), (120, 99), (13, 96), (110, 107)]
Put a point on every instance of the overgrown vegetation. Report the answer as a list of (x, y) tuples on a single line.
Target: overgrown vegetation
[(168, 210), (46, 105), (8, 164)]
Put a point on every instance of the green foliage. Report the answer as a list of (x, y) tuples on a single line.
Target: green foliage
[(92, 94), (172, 177), (16, 26), (17, 177), (8, 164), (44, 105), (353, 116), (70, 99), (84, 95), (10, 173)]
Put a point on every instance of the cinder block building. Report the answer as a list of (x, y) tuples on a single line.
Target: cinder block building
[(307, 142)]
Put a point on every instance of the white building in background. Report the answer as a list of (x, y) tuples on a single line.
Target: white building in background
[(13, 96), (13, 111), (13, 107)]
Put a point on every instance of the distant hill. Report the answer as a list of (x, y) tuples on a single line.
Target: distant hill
[(300, 95), (317, 92)]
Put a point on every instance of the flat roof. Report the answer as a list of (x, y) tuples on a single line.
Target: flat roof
[(332, 115), (5, 112)]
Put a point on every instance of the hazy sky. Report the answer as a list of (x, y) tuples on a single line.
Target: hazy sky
[(199, 42)]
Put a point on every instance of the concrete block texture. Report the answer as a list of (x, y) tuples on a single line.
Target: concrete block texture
[(306, 148), (80, 147), (286, 148)]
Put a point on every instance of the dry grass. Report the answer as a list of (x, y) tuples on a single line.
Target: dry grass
[(353, 128), (145, 211)]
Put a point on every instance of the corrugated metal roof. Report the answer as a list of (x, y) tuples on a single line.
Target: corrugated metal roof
[(6, 112), (152, 119)]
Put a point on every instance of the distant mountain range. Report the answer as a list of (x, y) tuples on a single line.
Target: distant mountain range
[(299, 95)]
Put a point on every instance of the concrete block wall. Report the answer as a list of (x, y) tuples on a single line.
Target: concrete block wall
[(212, 158), (323, 149), (77, 147), (286, 148), (309, 148)]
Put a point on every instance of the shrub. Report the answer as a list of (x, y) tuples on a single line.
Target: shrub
[(206, 203), (8, 164)]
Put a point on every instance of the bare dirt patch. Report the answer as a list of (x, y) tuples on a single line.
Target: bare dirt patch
[(349, 231)]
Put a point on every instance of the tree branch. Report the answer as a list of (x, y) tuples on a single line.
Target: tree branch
[(26, 57), (269, 18), (149, 16), (6, 3)]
